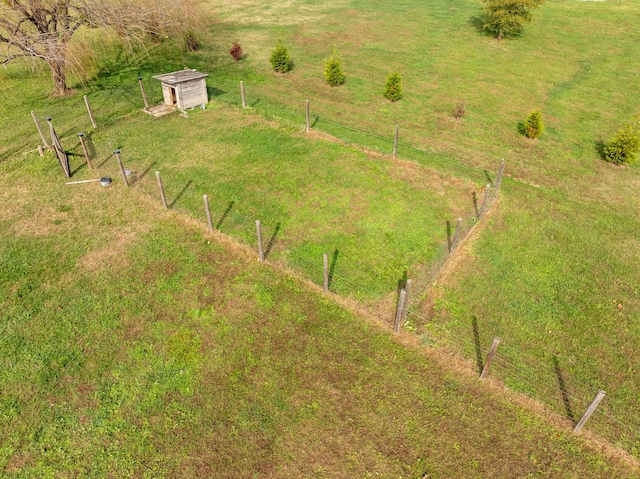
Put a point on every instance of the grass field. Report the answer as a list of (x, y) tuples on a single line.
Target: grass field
[(556, 257), (135, 345)]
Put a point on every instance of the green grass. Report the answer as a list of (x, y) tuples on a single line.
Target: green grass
[(134, 345), (560, 251)]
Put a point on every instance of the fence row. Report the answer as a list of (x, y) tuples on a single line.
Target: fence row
[(548, 384)]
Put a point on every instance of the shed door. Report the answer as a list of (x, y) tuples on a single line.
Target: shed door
[(172, 94)]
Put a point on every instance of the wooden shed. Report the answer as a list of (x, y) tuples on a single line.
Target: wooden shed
[(184, 89)]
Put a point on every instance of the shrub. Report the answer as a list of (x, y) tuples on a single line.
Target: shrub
[(236, 51), (280, 60), (393, 87), (459, 111), (333, 70), (505, 18), (623, 148), (533, 126), (191, 42)]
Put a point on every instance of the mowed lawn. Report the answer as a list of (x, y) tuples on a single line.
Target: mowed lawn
[(135, 344), (560, 252)]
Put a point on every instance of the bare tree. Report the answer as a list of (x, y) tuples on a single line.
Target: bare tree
[(43, 28)]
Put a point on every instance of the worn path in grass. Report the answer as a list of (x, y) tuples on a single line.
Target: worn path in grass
[(135, 345)]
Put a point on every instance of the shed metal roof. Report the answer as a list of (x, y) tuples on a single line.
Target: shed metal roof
[(180, 76)]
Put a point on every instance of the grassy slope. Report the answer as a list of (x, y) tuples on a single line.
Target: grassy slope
[(562, 253), (135, 345), (576, 62), (312, 197)]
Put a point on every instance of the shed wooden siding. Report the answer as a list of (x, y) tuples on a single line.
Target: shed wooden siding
[(192, 93)]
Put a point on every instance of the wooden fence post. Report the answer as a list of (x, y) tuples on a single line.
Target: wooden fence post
[(206, 208), (144, 95), (395, 144), (122, 172), (484, 201), (93, 120), (244, 103), (456, 235), (260, 250), (40, 150), (161, 187), (307, 112), (86, 152), (325, 262), (499, 177), (590, 410), (44, 140), (492, 353), (399, 312), (407, 289)]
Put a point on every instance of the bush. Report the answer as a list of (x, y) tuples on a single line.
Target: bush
[(533, 126), (236, 51), (459, 111), (623, 148), (280, 60), (393, 87), (333, 70), (191, 42)]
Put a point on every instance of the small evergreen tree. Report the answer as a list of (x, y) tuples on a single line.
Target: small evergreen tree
[(623, 148), (533, 126), (333, 70), (393, 87), (505, 18), (280, 60)]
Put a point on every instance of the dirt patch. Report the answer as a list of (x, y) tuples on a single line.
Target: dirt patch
[(113, 249), (48, 221)]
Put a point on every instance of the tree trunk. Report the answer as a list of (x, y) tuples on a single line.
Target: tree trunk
[(58, 75)]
